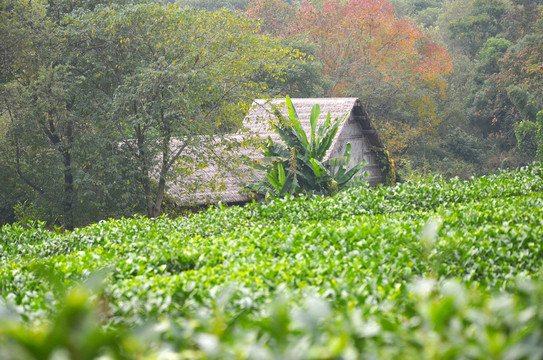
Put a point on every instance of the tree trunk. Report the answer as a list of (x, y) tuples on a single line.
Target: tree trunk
[(69, 194), (165, 166), (144, 178), (159, 197), (64, 147)]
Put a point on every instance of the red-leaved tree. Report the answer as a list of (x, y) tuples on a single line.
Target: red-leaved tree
[(368, 52)]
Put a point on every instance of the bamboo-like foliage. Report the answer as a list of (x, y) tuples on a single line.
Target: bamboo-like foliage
[(299, 166)]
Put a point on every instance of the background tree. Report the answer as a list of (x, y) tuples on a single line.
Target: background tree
[(277, 16), (46, 126), (520, 19), (103, 103), (210, 5), (386, 61), (483, 22), (167, 97), (512, 93), (37, 128), (17, 60)]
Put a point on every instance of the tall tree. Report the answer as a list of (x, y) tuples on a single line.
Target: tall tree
[(276, 16), (172, 80), (520, 18), (211, 5), (512, 94), (36, 103), (483, 22)]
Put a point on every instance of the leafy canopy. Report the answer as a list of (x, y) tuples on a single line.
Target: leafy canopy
[(174, 80)]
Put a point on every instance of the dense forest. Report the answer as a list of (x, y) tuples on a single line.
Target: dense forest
[(95, 94)]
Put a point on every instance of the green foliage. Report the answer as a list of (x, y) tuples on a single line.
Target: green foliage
[(303, 78), (525, 103), (539, 136), (27, 214), (58, 9), (12, 194), (511, 95), (430, 269), (483, 21), (463, 145), (488, 56), (530, 137), (74, 333), (387, 167), (299, 166), (19, 40), (168, 98), (49, 146), (103, 99), (496, 83), (212, 5)]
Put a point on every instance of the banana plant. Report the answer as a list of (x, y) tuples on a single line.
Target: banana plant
[(298, 165)]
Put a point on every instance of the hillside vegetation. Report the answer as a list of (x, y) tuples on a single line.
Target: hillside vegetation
[(428, 269), (452, 87)]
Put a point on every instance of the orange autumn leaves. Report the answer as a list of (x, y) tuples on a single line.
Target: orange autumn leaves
[(358, 35), (366, 36), (368, 52)]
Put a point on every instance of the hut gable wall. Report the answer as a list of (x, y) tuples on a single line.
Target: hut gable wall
[(353, 132)]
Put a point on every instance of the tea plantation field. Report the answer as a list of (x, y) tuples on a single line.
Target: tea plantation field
[(431, 269)]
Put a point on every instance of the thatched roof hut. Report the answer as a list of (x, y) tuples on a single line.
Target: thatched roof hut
[(228, 183)]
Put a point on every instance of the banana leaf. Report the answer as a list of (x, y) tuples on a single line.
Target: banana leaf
[(318, 168), (293, 115), (345, 178), (315, 112)]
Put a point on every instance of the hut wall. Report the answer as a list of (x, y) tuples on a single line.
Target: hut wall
[(353, 133)]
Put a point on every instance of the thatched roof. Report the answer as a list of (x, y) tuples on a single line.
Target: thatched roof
[(257, 121), (227, 179), (222, 177)]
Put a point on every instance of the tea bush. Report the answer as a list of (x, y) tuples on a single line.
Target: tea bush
[(434, 270)]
